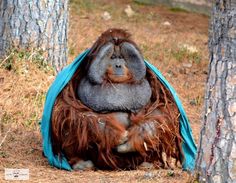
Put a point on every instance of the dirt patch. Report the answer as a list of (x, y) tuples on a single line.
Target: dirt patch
[(177, 48)]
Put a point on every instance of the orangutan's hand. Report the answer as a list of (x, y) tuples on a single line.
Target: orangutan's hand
[(142, 130)]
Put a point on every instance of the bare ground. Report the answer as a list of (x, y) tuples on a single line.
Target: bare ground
[(178, 50)]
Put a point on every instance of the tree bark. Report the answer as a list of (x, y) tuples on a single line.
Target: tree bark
[(35, 24), (216, 161)]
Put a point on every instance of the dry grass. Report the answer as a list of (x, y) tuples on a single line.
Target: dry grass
[(25, 81), (178, 50)]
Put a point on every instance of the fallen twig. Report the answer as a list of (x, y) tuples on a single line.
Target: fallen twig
[(5, 59), (4, 138)]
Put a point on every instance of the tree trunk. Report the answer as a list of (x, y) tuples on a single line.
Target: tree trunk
[(38, 24), (216, 161)]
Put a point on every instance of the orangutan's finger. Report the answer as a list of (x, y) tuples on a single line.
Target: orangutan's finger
[(124, 137)]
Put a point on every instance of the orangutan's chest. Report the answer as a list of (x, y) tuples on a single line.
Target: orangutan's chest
[(114, 97)]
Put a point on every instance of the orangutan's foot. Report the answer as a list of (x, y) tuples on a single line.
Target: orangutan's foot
[(146, 166), (125, 148), (83, 165)]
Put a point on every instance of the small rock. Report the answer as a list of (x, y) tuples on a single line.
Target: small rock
[(106, 16), (187, 65), (166, 23), (148, 175), (129, 11)]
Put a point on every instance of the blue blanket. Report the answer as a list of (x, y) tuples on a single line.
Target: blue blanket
[(188, 145)]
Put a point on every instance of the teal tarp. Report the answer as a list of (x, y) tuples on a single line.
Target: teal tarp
[(188, 146)]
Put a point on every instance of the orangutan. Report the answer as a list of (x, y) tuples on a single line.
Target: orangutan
[(115, 113)]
